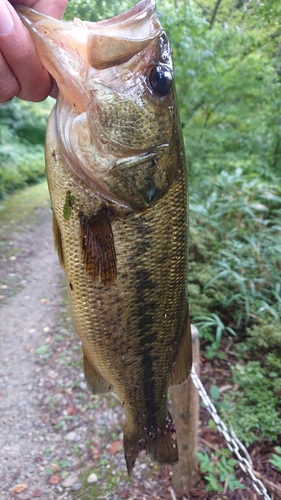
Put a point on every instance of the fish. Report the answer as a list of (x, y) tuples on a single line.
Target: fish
[(118, 186)]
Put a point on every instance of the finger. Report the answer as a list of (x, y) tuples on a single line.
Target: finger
[(19, 52), (54, 91), (53, 8), (9, 86)]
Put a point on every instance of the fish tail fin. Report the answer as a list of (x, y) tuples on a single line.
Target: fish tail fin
[(131, 450), (133, 445), (161, 445)]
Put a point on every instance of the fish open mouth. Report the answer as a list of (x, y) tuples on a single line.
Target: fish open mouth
[(94, 39), (71, 50)]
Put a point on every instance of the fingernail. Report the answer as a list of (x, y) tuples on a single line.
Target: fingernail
[(6, 19)]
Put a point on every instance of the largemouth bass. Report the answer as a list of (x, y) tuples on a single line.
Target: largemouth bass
[(117, 182)]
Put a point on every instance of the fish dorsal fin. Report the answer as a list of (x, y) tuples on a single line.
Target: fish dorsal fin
[(98, 247), (96, 383), (183, 363)]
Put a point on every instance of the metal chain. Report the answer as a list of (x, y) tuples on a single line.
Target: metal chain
[(232, 440)]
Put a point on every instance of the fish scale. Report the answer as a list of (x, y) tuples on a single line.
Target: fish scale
[(120, 227)]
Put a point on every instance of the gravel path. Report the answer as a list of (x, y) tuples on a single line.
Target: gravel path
[(25, 319)]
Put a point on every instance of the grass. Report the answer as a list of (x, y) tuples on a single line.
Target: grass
[(20, 210)]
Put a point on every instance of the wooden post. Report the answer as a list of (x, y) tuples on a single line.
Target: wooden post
[(185, 410)]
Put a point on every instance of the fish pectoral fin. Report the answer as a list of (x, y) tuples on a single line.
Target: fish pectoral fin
[(95, 382), (98, 247), (182, 367), (57, 241), (161, 445)]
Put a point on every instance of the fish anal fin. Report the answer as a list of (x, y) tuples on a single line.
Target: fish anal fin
[(98, 247), (57, 240), (182, 366), (95, 382), (161, 445)]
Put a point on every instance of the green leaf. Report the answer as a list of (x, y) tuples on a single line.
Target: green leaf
[(64, 463), (213, 484), (214, 392), (276, 461), (43, 349)]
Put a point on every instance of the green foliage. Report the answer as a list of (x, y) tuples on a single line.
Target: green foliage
[(255, 404), (212, 328), (264, 336), (276, 459), (242, 215), (19, 166), (219, 470), (96, 10), (229, 91), (235, 247), (22, 133), (213, 322)]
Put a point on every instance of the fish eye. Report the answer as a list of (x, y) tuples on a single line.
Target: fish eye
[(161, 79)]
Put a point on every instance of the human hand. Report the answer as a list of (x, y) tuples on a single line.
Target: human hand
[(21, 72)]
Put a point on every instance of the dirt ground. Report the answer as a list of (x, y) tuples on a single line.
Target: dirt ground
[(57, 441)]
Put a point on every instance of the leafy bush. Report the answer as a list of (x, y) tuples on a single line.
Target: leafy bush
[(229, 89), (235, 282), (255, 404), (22, 132), (219, 470), (239, 227)]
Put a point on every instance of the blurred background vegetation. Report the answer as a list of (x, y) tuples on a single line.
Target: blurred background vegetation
[(22, 133), (227, 56)]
